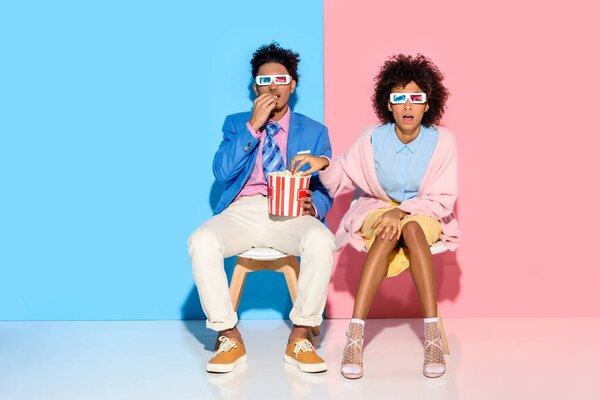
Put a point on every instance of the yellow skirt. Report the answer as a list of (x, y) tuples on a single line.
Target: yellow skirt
[(398, 260)]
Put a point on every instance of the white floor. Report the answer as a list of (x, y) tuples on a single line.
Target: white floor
[(490, 359)]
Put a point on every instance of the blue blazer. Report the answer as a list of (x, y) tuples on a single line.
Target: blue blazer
[(236, 156)]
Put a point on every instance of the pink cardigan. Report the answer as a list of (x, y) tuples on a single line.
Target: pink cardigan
[(355, 169)]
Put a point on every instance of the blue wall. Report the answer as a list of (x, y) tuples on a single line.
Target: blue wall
[(110, 113)]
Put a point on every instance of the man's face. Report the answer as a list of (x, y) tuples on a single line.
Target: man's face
[(282, 92)]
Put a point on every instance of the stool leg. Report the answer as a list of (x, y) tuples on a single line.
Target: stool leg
[(443, 332)]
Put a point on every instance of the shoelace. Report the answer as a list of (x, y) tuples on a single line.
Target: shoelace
[(433, 342), (437, 338), (354, 342), (226, 344), (303, 345)]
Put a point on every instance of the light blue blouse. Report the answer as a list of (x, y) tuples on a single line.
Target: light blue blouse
[(401, 167)]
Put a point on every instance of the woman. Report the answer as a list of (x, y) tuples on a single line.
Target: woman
[(406, 172)]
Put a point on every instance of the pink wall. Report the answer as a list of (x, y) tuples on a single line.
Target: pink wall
[(528, 151)]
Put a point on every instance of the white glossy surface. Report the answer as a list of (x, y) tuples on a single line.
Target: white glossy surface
[(490, 359), (263, 253), (438, 248)]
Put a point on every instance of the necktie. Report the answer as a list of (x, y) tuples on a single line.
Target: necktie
[(271, 154)]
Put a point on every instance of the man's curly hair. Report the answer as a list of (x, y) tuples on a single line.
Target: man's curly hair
[(400, 70), (274, 53)]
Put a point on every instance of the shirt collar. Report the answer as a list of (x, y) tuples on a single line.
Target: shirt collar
[(284, 122), (412, 146)]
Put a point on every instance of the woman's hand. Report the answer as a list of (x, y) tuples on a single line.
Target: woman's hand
[(388, 224), (316, 163)]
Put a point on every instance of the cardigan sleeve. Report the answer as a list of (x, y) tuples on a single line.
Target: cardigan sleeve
[(348, 171), (439, 190), (335, 178)]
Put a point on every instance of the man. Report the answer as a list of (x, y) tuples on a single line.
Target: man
[(254, 144)]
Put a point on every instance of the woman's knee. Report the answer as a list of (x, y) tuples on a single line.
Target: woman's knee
[(413, 234), (383, 245)]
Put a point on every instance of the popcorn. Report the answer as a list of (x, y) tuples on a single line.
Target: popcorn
[(285, 173), (285, 191)]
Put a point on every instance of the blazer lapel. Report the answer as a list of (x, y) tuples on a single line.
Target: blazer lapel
[(294, 136)]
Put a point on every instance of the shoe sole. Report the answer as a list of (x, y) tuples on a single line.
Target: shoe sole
[(432, 375), (321, 367), (352, 376), (226, 367)]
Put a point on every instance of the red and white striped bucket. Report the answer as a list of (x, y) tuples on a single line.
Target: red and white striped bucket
[(285, 193)]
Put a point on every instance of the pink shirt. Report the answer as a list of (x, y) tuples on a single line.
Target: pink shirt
[(257, 184)]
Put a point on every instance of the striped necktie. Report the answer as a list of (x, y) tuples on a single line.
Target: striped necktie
[(271, 154)]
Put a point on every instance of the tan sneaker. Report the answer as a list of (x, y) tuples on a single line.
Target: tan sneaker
[(229, 354), (301, 353)]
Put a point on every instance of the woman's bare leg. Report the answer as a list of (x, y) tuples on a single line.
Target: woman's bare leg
[(373, 272), (421, 267)]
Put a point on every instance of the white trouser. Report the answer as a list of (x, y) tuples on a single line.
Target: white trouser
[(246, 223)]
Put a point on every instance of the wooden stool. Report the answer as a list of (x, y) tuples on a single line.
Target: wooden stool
[(265, 258)]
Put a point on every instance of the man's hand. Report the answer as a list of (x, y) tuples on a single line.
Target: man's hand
[(388, 224), (306, 204), (263, 106), (316, 163)]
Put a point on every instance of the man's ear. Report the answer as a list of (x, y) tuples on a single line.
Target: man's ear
[(255, 89), (293, 87), (389, 107), (426, 107)]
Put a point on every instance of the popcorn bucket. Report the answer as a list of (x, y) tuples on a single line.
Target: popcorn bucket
[(285, 192)]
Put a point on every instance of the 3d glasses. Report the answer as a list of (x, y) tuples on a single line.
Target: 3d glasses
[(401, 98), (265, 80)]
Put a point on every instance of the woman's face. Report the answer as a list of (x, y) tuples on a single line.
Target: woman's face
[(408, 116)]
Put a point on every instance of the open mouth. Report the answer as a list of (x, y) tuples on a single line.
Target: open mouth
[(408, 118)]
